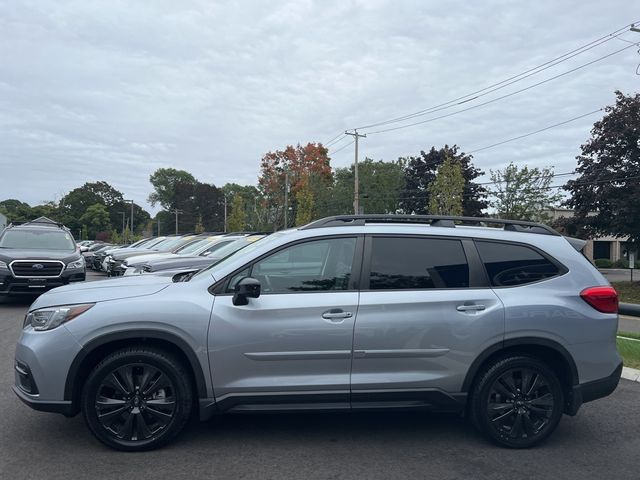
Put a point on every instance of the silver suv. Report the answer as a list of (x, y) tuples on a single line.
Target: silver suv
[(511, 326)]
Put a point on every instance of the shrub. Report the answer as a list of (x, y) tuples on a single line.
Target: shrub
[(603, 263), (621, 263)]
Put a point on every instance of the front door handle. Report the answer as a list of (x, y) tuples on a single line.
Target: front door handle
[(470, 308), (336, 314)]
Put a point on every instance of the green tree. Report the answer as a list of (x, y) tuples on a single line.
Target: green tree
[(445, 192), (115, 237), (253, 204), (74, 204), (96, 219), (606, 195), (236, 221), (380, 188), (304, 200), (199, 228), (164, 182), (421, 170), (523, 193), (17, 211)]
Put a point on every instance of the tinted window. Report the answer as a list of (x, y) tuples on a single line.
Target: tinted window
[(510, 265), (318, 265), (413, 263)]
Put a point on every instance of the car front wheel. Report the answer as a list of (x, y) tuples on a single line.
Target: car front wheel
[(137, 399), (517, 402)]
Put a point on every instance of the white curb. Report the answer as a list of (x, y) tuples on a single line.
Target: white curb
[(631, 374)]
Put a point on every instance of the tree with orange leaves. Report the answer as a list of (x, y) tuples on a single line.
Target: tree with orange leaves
[(307, 168)]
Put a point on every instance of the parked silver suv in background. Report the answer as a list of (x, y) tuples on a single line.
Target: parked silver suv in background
[(510, 325)]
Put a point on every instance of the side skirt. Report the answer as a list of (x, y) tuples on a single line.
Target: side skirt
[(422, 400)]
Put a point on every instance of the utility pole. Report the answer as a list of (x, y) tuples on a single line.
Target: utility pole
[(158, 228), (286, 197), (123, 222), (131, 216), (356, 186), (225, 214), (177, 211)]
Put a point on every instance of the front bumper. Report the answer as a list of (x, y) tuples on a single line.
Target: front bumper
[(42, 362), (9, 285), (587, 392), (63, 407)]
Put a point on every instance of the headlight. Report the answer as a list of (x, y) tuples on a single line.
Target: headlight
[(76, 264), (3, 264), (52, 317)]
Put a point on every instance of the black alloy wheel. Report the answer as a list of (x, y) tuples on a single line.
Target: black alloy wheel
[(518, 402), (135, 402), (137, 399)]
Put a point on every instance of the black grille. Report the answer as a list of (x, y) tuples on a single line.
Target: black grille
[(36, 268)]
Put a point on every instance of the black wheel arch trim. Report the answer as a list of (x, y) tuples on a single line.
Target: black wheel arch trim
[(137, 334), (516, 342)]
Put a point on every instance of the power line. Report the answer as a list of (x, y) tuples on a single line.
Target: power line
[(343, 147), (535, 132), (508, 81), (327, 143), (335, 144), (504, 96)]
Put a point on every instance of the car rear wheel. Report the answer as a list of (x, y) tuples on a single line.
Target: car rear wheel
[(137, 399), (517, 402)]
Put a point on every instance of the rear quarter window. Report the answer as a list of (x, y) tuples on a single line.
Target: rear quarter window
[(510, 265)]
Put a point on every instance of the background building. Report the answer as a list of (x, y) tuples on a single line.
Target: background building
[(611, 248)]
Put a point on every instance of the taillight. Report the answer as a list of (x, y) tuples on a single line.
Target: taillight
[(603, 299)]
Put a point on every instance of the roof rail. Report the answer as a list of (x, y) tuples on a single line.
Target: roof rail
[(41, 223), (433, 220)]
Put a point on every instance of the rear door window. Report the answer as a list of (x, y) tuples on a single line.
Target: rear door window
[(408, 263), (510, 265)]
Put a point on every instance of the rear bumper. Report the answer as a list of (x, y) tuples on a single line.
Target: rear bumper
[(587, 392)]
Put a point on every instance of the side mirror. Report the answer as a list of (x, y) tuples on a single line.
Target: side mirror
[(245, 289)]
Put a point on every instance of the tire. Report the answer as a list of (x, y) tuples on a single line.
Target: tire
[(517, 401), (137, 399)]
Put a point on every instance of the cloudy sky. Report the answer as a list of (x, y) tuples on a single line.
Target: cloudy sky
[(112, 90)]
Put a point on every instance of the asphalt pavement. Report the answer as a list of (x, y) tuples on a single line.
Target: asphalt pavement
[(602, 441)]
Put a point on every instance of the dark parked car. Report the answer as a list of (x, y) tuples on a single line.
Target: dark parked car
[(37, 256)]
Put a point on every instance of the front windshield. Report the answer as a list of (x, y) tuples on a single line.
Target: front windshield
[(172, 243), (194, 246), (139, 243), (246, 250), (215, 246), (152, 244), (40, 239)]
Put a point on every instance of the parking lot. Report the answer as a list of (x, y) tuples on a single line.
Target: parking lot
[(601, 442)]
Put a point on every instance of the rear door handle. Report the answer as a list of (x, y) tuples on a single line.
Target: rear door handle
[(336, 314), (470, 308)]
